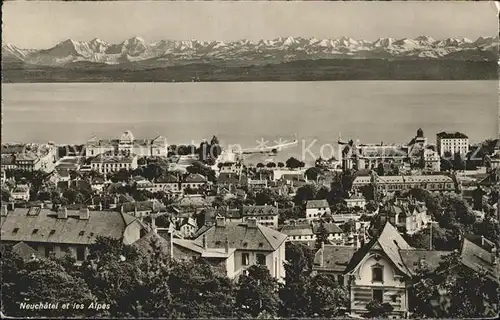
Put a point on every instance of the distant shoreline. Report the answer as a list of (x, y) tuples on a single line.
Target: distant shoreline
[(300, 70)]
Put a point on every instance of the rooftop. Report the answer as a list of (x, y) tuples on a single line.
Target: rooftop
[(313, 204), (451, 135)]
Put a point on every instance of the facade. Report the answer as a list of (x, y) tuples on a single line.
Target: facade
[(140, 209), (407, 215), (254, 244), (188, 227), (168, 183), (21, 193), (127, 144), (370, 156), (356, 201), (395, 183), (194, 181), (230, 167), (315, 209), (452, 142), (432, 160), (265, 215), (54, 232), (106, 164)]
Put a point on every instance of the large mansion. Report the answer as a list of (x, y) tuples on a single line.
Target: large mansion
[(127, 144)]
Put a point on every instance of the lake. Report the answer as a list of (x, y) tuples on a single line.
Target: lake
[(244, 112)]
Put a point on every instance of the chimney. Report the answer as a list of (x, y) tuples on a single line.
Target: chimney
[(204, 240), (482, 241), (321, 253), (494, 256), (220, 222), (84, 214), (62, 213), (226, 245), (100, 206), (252, 222)]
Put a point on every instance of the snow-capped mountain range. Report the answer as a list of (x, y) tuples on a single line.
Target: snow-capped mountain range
[(170, 52)]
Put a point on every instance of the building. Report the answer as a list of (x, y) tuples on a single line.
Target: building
[(335, 234), (356, 201), (265, 215), (384, 268), (230, 167), (141, 209), (254, 244), (278, 173), (21, 193), (370, 156), (49, 231), (432, 160), (401, 183), (168, 183), (111, 163), (193, 181), (298, 232), (451, 143), (316, 209), (407, 215), (127, 144), (188, 227)]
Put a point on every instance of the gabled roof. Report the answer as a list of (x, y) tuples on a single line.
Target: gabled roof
[(148, 205), (25, 251), (42, 225), (431, 258), (195, 178), (313, 204), (478, 258), (243, 237), (390, 242), (297, 230), (259, 210), (228, 178), (167, 179), (333, 258), (329, 226)]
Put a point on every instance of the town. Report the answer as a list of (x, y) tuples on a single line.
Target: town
[(151, 229)]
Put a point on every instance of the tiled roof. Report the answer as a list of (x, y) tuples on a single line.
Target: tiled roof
[(477, 258), (329, 226), (167, 179), (21, 189), (259, 210), (24, 251), (148, 205), (297, 230), (29, 156), (312, 204), (71, 230), (243, 237), (431, 258), (145, 244), (8, 159), (228, 178), (195, 178), (204, 252), (452, 135), (333, 258)]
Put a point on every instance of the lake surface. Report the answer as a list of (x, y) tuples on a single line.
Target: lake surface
[(244, 112)]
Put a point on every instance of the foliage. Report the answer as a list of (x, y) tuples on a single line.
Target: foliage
[(328, 297), (199, 167), (294, 163), (305, 193), (378, 310), (258, 292), (322, 236), (312, 173), (454, 291)]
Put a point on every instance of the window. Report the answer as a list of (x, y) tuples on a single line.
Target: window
[(377, 273), (393, 298), (245, 258), (48, 250), (81, 233), (261, 259), (80, 253), (378, 295)]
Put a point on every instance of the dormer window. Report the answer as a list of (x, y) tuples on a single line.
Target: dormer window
[(378, 273)]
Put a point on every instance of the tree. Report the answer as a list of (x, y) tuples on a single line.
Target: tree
[(293, 163), (260, 165), (371, 206), (258, 292), (321, 236), (200, 290), (305, 193), (5, 195), (312, 173), (45, 280), (453, 291), (328, 298), (198, 167), (266, 197), (349, 226), (380, 169), (377, 309), (271, 165), (281, 165)]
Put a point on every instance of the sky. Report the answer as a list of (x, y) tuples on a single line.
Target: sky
[(37, 25)]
